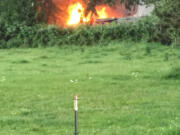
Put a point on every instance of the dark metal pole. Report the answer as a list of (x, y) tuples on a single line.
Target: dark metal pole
[(76, 113)]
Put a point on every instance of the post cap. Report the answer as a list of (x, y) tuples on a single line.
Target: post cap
[(76, 97)]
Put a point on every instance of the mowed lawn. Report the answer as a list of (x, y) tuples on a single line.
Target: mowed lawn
[(124, 89)]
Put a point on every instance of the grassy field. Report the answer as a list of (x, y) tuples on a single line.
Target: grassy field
[(124, 89)]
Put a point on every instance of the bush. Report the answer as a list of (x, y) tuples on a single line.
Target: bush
[(169, 17), (48, 35)]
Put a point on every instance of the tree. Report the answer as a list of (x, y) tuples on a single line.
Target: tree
[(27, 11), (17, 11), (45, 8), (169, 15)]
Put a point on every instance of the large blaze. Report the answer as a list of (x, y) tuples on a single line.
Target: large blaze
[(76, 13), (72, 13), (102, 13)]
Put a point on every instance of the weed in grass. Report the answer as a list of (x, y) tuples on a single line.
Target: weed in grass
[(110, 49), (174, 131), (147, 50), (174, 74), (44, 65), (91, 62), (121, 77), (104, 54), (24, 61), (166, 57), (21, 62), (25, 112), (82, 50), (44, 57), (178, 57), (127, 57)]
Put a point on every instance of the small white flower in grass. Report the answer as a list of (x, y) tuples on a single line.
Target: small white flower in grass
[(90, 78), (134, 74), (74, 81), (71, 81)]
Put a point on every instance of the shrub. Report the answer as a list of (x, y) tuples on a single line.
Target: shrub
[(49, 35), (169, 17)]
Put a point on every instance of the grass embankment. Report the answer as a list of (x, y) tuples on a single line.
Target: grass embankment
[(124, 88)]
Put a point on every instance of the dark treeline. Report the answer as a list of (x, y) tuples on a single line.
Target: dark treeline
[(24, 23)]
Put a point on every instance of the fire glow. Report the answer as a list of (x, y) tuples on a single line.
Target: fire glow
[(73, 13), (76, 13)]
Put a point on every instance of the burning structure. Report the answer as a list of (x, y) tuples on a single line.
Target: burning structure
[(74, 12)]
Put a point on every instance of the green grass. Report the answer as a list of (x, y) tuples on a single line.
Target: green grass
[(124, 89)]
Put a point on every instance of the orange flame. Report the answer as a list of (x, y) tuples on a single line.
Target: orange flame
[(77, 15), (72, 13), (102, 13)]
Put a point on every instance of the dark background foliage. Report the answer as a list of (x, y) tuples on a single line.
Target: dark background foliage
[(42, 35), (24, 23), (168, 13)]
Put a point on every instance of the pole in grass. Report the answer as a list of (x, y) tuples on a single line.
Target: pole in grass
[(76, 113)]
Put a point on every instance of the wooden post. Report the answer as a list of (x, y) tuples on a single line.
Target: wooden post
[(76, 113)]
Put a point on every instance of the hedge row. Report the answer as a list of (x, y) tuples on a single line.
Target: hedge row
[(20, 35)]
